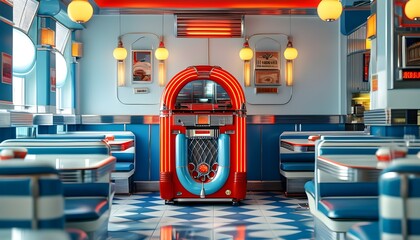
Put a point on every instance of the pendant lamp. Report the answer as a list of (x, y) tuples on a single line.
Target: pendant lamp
[(412, 9), (80, 11), (329, 10)]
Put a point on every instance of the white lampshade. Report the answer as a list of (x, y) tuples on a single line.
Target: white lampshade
[(329, 10), (412, 9), (246, 52), (161, 52), (290, 53), (80, 11), (120, 53)]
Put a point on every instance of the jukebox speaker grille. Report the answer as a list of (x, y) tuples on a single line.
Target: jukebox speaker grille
[(202, 158)]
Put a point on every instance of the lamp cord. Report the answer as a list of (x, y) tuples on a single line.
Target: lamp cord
[(290, 22)]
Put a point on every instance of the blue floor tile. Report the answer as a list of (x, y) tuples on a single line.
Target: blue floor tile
[(262, 215)]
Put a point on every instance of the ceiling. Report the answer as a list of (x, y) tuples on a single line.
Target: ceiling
[(231, 6), (257, 7)]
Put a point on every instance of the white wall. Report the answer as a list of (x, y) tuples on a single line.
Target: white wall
[(318, 79)]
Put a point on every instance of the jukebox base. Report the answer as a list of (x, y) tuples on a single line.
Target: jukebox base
[(234, 201)]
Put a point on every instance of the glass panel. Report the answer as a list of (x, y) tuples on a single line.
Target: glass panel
[(19, 93), (203, 91), (61, 38), (23, 13)]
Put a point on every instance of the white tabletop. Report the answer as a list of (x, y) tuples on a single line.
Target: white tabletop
[(24, 234), (72, 161), (363, 167)]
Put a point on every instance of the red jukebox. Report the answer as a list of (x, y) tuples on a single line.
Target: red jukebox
[(203, 137)]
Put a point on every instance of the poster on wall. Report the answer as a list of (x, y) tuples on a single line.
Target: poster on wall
[(267, 68), (6, 68), (53, 80), (267, 77), (142, 66), (267, 60)]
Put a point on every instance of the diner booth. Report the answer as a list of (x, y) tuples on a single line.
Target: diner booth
[(203, 137)]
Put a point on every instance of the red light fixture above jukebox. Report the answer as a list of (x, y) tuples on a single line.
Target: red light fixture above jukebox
[(209, 26)]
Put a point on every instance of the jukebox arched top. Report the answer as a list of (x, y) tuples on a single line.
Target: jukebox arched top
[(204, 76)]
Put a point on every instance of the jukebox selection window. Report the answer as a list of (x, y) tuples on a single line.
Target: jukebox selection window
[(203, 91)]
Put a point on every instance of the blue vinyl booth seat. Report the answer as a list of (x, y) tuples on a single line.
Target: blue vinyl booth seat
[(399, 201), (126, 155), (336, 204), (297, 167), (86, 204), (31, 197)]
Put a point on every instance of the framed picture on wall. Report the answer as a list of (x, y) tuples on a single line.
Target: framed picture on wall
[(267, 77), (142, 66), (6, 68), (267, 60)]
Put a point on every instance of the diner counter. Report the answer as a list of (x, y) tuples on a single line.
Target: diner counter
[(78, 167)]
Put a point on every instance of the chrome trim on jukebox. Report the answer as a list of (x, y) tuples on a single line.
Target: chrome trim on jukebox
[(193, 120)]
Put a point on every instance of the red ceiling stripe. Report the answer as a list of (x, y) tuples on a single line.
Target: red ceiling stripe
[(213, 4)]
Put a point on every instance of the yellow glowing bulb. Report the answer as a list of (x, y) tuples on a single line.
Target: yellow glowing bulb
[(80, 11), (329, 10)]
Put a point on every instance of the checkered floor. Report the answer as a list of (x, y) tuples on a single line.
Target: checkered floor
[(259, 216)]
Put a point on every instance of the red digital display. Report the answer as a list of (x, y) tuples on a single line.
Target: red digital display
[(411, 75), (203, 119)]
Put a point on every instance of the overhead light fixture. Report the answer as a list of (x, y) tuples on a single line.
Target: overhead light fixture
[(329, 10), (209, 26), (412, 9), (80, 11), (246, 54), (47, 37)]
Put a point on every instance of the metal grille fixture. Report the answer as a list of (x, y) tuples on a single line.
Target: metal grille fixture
[(209, 26), (202, 158)]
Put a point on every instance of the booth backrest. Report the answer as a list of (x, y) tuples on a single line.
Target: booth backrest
[(305, 135), (362, 146), (31, 196), (399, 200)]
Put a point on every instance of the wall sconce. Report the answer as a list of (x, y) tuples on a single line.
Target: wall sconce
[(412, 9), (47, 37), (161, 54), (290, 53), (120, 53), (76, 49), (80, 11), (246, 54), (329, 10)]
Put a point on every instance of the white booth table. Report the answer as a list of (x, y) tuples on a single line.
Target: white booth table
[(82, 168)]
